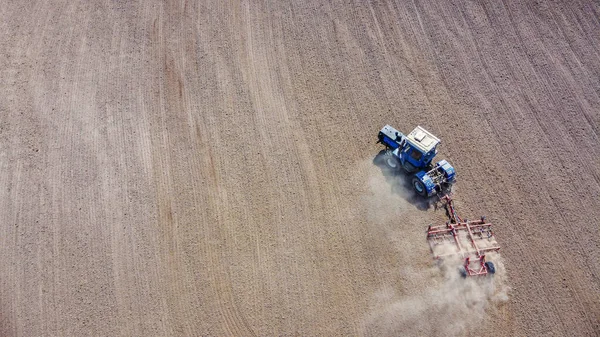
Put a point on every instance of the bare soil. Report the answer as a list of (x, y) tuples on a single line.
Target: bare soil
[(177, 168)]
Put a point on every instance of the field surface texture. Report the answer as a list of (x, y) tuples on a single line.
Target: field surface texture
[(207, 168)]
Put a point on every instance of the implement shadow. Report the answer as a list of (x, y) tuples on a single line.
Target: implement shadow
[(401, 184)]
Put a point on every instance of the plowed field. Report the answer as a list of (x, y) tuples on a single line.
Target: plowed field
[(207, 168)]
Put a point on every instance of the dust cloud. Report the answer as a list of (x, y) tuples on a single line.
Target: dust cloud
[(446, 305), (429, 297)]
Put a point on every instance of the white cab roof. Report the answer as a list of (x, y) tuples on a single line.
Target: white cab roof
[(422, 139)]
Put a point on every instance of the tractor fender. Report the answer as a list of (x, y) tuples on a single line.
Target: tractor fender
[(447, 169)]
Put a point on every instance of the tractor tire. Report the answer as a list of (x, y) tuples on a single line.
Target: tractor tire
[(390, 160), (489, 266), (463, 272), (419, 187)]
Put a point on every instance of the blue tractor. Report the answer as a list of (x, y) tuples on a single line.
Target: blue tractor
[(414, 154)]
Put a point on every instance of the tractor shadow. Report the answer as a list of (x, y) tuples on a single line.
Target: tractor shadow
[(401, 184)]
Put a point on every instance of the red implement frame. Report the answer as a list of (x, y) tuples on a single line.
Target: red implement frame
[(472, 239)]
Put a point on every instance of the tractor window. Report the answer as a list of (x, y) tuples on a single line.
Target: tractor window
[(416, 155)]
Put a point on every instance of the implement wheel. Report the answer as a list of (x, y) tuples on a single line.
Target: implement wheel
[(419, 187), (489, 266)]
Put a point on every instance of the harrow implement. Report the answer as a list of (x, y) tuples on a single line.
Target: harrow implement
[(469, 239)]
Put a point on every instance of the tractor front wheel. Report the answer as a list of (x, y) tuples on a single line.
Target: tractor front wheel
[(419, 187), (390, 160)]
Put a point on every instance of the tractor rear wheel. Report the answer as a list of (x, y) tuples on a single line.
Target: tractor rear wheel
[(419, 187), (390, 160), (489, 266)]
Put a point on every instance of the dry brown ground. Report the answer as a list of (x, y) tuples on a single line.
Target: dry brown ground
[(174, 168)]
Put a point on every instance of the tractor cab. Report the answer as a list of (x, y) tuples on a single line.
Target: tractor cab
[(417, 149)]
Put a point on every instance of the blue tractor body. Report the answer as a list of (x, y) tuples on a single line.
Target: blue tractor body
[(414, 153)]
